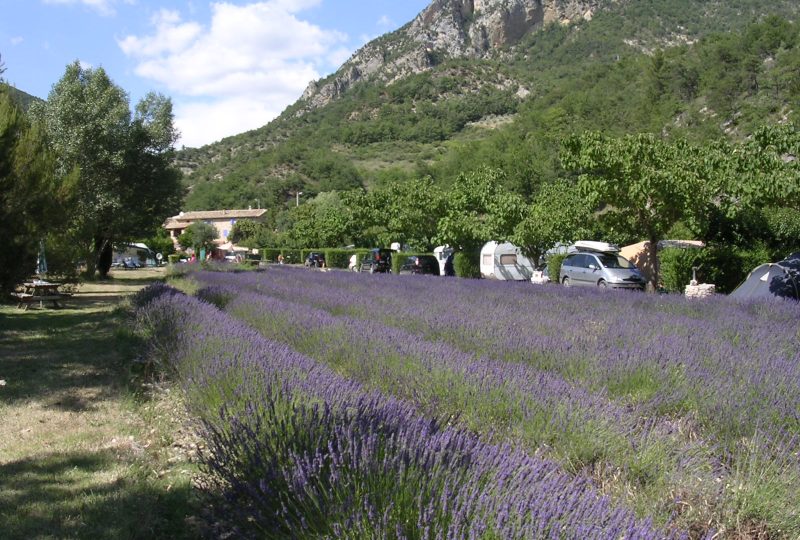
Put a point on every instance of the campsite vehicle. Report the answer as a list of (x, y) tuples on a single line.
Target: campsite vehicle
[(540, 276), (420, 264), (599, 264), (505, 262), (377, 261), (315, 259), (772, 280), (441, 253)]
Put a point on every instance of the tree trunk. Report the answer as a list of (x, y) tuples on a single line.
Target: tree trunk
[(652, 256), (104, 253)]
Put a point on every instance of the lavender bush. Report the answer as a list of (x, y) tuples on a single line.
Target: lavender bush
[(304, 452), (693, 404)]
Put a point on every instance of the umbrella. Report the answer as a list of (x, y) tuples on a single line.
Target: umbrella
[(41, 261)]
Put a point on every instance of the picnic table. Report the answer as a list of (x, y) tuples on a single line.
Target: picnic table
[(39, 291)]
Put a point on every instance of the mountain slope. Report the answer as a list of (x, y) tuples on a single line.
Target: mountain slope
[(497, 82), (23, 99)]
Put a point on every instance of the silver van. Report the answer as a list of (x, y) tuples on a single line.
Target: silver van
[(600, 269)]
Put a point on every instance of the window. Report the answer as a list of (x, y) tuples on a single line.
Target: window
[(487, 259), (509, 259), (615, 261)]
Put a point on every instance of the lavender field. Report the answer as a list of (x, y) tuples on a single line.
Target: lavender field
[(373, 406)]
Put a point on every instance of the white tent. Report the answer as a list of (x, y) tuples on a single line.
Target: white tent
[(505, 262)]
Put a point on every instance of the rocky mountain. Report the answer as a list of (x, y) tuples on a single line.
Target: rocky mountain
[(497, 82), (474, 29)]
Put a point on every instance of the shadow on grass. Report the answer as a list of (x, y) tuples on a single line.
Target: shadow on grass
[(69, 496), (68, 358)]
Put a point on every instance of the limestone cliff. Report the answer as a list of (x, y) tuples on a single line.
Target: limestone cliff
[(448, 29)]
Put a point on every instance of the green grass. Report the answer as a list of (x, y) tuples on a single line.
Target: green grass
[(84, 452)]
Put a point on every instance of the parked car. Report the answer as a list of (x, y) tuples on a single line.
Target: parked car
[(600, 269), (420, 264), (315, 260), (378, 260)]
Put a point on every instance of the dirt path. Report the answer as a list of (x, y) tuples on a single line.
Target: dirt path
[(82, 455)]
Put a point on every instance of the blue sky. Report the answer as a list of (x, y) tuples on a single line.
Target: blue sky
[(229, 66)]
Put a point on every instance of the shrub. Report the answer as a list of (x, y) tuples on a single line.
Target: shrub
[(270, 254), (467, 265), (676, 267), (144, 296), (337, 258), (217, 295), (292, 256), (726, 267), (173, 258), (554, 266)]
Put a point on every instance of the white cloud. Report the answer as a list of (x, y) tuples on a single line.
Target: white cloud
[(16, 40), (249, 62), (203, 122), (386, 22), (103, 7)]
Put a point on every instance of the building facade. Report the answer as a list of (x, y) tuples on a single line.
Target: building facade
[(222, 220)]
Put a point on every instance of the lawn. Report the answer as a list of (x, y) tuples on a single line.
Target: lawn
[(85, 450)]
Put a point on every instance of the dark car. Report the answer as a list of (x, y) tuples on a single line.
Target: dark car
[(315, 260), (378, 260), (420, 264)]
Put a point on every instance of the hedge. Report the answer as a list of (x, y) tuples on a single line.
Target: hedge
[(554, 266), (467, 265)]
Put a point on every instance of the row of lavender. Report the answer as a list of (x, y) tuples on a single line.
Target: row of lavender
[(680, 403), (303, 452)]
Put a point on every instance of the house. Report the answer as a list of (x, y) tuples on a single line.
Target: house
[(223, 220)]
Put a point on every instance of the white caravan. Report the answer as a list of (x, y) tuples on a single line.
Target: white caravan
[(441, 253), (505, 262)]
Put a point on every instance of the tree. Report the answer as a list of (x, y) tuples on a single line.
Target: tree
[(479, 209), (30, 203), (198, 235), (126, 185), (405, 212), (330, 219), (641, 185), (558, 214)]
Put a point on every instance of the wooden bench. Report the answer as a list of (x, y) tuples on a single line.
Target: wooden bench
[(24, 300)]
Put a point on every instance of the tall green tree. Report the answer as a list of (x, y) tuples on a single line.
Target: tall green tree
[(30, 202), (405, 212), (479, 209), (641, 184), (126, 184), (198, 235), (558, 214)]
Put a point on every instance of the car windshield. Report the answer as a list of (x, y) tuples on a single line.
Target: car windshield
[(615, 261)]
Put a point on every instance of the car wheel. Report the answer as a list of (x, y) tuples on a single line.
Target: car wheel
[(565, 281), (602, 284)]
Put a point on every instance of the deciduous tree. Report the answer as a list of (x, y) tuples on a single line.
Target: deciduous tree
[(126, 184), (479, 209)]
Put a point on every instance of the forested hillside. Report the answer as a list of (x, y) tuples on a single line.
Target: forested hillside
[(20, 98), (702, 70)]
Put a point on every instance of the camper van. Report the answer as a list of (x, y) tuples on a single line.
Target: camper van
[(505, 262), (441, 253)]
